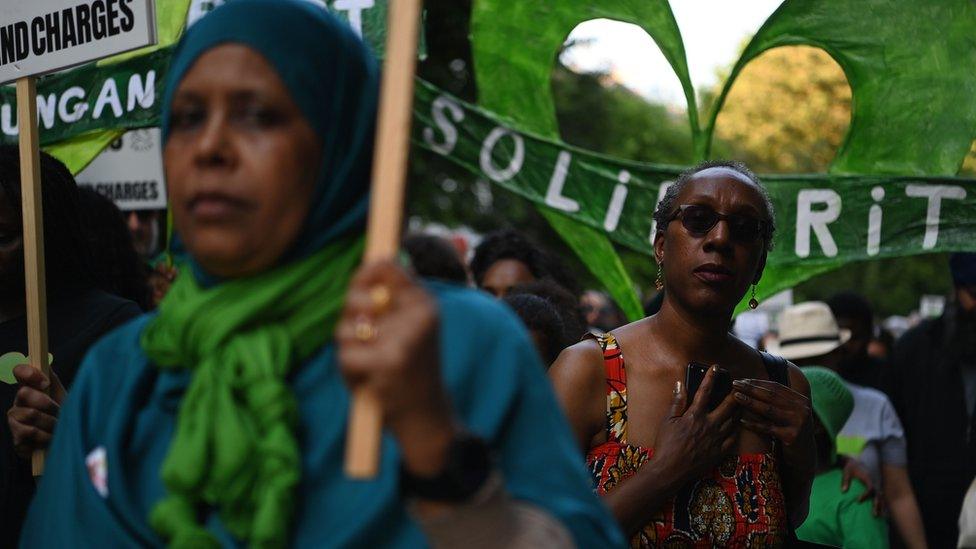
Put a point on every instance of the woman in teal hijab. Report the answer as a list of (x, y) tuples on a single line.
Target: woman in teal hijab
[(221, 419)]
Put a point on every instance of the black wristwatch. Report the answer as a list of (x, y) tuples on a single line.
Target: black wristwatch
[(467, 468)]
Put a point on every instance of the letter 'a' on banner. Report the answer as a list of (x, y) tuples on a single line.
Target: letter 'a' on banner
[(38, 37)]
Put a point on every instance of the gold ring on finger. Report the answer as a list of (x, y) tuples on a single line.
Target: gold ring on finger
[(364, 329), (380, 297)]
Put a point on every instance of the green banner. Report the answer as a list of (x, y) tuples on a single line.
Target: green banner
[(821, 219), (122, 95), (591, 200)]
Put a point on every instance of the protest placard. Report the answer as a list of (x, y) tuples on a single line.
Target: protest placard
[(43, 36)]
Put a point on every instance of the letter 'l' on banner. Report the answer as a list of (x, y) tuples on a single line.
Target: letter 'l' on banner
[(38, 37)]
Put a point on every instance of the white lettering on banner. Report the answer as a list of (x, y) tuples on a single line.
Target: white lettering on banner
[(935, 194), (616, 207), (354, 9), (660, 196), (108, 96), (874, 222), (144, 95), (40, 36), (514, 165), (7, 124), (445, 124), (46, 108), (807, 220), (77, 93), (554, 194)]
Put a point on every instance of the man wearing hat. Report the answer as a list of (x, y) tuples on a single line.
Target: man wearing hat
[(836, 518), (809, 336), (932, 383)]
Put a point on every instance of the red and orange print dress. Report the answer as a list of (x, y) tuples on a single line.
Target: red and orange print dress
[(738, 504)]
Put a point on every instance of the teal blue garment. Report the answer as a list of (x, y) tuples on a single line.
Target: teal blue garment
[(497, 385)]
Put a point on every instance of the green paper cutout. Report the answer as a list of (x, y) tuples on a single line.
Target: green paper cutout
[(911, 67), (9, 361), (514, 43)]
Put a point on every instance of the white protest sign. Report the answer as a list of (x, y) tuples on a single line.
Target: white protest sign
[(130, 172), (39, 36)]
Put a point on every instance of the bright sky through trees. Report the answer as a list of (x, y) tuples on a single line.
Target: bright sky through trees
[(713, 31)]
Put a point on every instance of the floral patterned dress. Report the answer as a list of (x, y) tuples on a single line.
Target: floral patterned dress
[(737, 504)]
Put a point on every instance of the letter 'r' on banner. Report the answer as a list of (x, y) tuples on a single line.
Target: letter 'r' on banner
[(38, 37)]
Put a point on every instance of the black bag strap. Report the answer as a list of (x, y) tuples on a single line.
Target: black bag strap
[(777, 368)]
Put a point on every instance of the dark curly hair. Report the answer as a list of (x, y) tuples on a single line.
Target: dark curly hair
[(435, 257), (665, 208), (67, 255), (565, 303), (508, 244), (116, 264), (541, 317)]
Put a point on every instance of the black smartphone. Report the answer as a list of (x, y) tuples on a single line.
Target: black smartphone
[(721, 387)]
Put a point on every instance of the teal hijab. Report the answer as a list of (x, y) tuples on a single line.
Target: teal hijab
[(331, 76), (235, 448)]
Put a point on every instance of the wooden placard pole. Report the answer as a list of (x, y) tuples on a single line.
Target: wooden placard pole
[(30, 185), (386, 206)]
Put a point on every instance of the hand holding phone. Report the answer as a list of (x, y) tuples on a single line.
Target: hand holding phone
[(721, 386)]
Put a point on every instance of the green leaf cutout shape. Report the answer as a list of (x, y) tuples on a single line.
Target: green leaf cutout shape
[(9, 361)]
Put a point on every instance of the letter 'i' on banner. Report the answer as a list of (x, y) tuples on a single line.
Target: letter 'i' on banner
[(38, 37), (385, 207)]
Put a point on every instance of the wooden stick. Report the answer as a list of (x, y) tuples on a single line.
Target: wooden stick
[(30, 185), (386, 206)]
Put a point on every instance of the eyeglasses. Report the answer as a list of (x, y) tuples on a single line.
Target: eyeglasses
[(699, 220)]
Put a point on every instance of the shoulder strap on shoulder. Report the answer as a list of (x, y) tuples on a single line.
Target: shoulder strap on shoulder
[(777, 368)]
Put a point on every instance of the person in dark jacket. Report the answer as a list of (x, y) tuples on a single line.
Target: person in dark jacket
[(78, 314), (932, 383)]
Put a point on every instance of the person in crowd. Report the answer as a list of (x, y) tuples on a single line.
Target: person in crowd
[(881, 345), (565, 303), (853, 313), (931, 381), (837, 518), (543, 322), (435, 258), (222, 419), (673, 471), (78, 313), (602, 314), (809, 335), (145, 227), (119, 269), (505, 259)]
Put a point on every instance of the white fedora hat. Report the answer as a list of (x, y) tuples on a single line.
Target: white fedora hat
[(807, 330)]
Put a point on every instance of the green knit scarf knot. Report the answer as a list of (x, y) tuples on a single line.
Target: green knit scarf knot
[(234, 448)]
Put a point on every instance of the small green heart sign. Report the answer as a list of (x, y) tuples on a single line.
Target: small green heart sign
[(9, 361)]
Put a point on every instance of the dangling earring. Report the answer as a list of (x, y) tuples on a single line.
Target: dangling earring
[(753, 303), (659, 281)]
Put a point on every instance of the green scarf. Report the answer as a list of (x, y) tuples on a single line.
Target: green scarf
[(234, 448)]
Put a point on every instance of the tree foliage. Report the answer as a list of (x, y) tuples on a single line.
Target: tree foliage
[(787, 112)]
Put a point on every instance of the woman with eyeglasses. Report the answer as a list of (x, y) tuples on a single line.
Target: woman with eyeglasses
[(677, 470)]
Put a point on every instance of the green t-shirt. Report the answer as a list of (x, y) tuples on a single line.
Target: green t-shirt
[(838, 519)]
